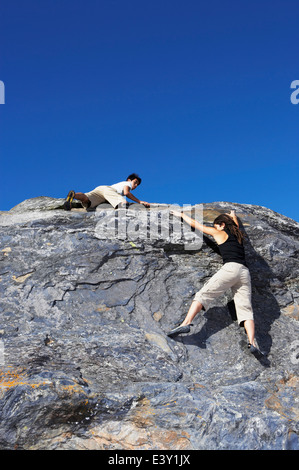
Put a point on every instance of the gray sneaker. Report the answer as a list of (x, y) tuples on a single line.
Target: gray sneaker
[(255, 351), (179, 330)]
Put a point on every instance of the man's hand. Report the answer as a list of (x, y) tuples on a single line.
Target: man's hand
[(146, 204)]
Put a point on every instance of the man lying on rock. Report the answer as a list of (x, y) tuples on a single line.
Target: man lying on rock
[(114, 194), (234, 274)]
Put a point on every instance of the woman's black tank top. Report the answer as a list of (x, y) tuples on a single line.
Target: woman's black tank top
[(232, 251)]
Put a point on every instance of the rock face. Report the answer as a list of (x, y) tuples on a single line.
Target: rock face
[(85, 362)]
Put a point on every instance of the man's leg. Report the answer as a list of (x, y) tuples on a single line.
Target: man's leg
[(80, 196), (83, 198), (115, 199)]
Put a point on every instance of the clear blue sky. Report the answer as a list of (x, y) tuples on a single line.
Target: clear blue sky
[(192, 95)]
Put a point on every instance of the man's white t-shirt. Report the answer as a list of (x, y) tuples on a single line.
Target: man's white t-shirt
[(119, 187)]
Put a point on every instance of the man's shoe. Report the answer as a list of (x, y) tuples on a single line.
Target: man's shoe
[(179, 330), (68, 203)]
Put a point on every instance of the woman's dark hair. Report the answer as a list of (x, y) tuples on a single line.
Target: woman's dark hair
[(134, 176), (230, 225)]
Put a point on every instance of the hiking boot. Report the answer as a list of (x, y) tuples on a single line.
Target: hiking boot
[(68, 203)]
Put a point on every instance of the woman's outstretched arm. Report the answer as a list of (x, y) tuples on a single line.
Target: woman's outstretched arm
[(194, 224)]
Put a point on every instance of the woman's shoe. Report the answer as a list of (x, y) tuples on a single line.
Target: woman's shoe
[(179, 330), (255, 351)]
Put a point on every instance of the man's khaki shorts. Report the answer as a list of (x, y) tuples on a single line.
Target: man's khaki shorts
[(104, 194), (232, 276)]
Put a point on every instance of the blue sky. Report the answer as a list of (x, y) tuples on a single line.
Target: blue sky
[(194, 96)]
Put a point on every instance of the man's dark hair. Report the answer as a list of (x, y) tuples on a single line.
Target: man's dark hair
[(134, 176)]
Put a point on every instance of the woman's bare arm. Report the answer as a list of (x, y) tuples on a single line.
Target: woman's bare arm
[(232, 214), (194, 224)]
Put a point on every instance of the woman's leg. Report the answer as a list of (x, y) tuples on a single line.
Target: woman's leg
[(250, 330), (185, 326), (242, 298), (214, 288), (194, 309)]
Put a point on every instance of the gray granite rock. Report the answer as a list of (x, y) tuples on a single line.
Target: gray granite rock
[(86, 302)]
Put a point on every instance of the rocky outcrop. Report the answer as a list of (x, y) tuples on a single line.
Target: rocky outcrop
[(85, 362)]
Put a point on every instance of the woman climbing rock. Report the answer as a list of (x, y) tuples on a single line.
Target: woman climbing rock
[(233, 275)]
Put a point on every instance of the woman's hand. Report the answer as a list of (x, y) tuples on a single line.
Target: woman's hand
[(232, 214)]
